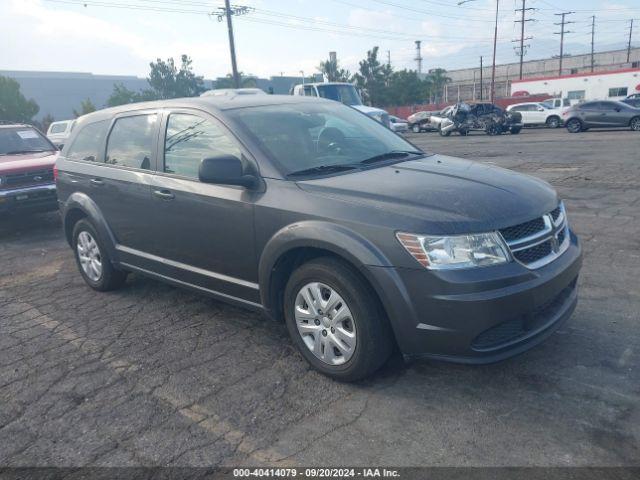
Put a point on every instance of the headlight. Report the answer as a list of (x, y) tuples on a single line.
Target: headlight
[(460, 251)]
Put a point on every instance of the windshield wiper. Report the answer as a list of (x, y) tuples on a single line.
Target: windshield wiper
[(320, 169), (389, 156), (17, 152)]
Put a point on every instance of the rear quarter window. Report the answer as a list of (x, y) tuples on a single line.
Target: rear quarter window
[(87, 143)]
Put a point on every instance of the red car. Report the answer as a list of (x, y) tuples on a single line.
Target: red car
[(27, 160)]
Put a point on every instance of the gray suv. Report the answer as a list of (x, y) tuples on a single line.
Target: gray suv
[(311, 212)]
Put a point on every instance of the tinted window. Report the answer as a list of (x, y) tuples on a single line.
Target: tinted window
[(58, 128), (309, 91), (88, 142), (589, 106), (189, 140), (22, 140), (130, 143)]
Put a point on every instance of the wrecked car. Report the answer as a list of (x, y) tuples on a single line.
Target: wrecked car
[(487, 117)]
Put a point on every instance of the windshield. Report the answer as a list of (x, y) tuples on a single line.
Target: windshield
[(346, 94), (547, 104), (304, 136), (22, 140)]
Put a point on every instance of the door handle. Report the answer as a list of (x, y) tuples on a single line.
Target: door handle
[(97, 182), (164, 194)]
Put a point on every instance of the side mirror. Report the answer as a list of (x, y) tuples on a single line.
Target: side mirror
[(225, 170), (540, 109), (618, 109)]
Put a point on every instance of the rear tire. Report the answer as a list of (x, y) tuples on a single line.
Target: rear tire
[(553, 122), (362, 330), (635, 124), (416, 129), (463, 133), (574, 126), (93, 260), (515, 130)]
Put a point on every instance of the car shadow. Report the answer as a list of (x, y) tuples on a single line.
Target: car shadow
[(31, 225)]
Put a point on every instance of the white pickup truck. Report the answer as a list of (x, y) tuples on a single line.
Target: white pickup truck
[(341, 92)]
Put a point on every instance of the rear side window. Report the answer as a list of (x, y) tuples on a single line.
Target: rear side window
[(88, 142), (130, 143), (189, 140), (58, 128)]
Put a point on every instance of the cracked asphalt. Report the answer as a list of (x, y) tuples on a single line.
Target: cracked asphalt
[(155, 375)]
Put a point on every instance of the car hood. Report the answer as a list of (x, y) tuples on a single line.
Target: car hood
[(440, 194), (28, 161)]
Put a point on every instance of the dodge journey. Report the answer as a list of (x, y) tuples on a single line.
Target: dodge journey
[(311, 212)]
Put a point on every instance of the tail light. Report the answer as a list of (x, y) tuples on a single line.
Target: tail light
[(564, 114), (55, 172)]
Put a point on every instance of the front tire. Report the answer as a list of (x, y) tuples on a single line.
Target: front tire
[(444, 134), (574, 126), (336, 321), (515, 130), (93, 260), (635, 124), (416, 128)]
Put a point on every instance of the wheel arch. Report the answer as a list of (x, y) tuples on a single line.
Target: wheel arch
[(79, 206), (296, 244)]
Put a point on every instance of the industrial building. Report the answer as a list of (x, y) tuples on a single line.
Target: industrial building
[(465, 83)]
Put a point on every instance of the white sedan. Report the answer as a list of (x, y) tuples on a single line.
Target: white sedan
[(398, 124)]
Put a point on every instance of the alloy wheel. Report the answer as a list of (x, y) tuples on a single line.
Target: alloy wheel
[(325, 323), (89, 256), (635, 124), (574, 126)]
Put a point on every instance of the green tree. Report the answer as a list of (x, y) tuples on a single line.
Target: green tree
[(14, 107), (373, 78), (437, 79), (47, 120), (405, 88), (332, 71), (121, 95), (246, 81), (86, 106), (167, 81)]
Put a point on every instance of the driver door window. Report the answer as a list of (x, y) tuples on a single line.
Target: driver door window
[(189, 140)]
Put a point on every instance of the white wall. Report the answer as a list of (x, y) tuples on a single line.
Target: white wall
[(596, 86)]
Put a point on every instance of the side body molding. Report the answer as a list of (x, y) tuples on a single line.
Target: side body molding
[(82, 202)]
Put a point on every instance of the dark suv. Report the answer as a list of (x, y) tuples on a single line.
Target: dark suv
[(310, 211)]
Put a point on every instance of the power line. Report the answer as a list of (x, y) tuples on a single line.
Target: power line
[(562, 33)]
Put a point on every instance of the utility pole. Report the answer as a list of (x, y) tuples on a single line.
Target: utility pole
[(562, 33), (493, 66), (227, 12), (418, 58), (593, 34), (481, 85), (389, 57), (629, 44), (522, 21), (495, 42)]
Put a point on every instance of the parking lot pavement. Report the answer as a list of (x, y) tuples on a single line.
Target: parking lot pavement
[(155, 375)]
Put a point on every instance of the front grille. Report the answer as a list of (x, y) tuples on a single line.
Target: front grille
[(22, 179), (539, 241), (523, 230), (533, 254), (523, 326)]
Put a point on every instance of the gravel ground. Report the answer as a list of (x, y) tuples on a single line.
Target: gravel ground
[(155, 375)]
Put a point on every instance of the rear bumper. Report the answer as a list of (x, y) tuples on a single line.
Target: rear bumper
[(38, 198), (482, 315)]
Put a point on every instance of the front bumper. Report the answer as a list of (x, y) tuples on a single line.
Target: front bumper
[(481, 315), (38, 198)]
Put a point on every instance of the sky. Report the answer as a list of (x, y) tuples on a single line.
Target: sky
[(121, 37)]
